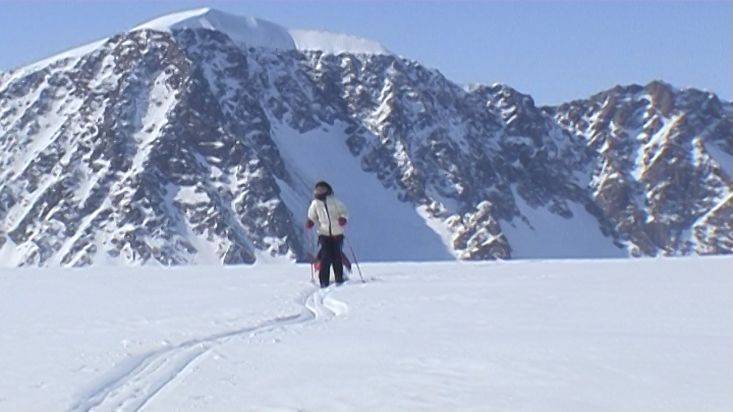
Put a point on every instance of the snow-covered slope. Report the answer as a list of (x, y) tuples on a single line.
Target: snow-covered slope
[(384, 227), (621, 335), (547, 235), (195, 138)]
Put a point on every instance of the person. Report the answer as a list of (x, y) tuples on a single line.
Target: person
[(329, 215)]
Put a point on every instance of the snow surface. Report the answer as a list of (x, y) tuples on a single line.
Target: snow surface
[(724, 159), (549, 235), (618, 335)]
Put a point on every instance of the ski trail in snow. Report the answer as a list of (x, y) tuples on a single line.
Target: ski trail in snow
[(133, 383)]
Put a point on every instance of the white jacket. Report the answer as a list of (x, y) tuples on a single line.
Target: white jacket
[(326, 213)]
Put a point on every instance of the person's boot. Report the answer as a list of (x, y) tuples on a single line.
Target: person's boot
[(339, 276), (324, 278)]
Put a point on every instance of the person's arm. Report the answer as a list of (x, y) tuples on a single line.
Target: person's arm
[(343, 213), (312, 216)]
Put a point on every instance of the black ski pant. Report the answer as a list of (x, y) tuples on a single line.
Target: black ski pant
[(330, 254)]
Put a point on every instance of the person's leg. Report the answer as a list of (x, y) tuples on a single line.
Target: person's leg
[(324, 273), (338, 266)]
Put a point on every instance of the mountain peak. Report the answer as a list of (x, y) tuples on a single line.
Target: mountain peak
[(250, 31), (254, 32)]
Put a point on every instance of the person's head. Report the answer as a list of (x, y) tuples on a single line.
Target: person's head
[(321, 190)]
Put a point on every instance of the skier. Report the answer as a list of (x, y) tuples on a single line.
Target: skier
[(329, 215)]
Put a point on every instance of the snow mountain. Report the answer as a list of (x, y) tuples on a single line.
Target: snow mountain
[(196, 138)]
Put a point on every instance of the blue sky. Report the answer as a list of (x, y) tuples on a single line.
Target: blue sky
[(555, 51)]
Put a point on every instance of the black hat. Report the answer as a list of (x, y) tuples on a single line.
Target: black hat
[(329, 189)]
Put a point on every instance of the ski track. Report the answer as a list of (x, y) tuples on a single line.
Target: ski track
[(133, 383)]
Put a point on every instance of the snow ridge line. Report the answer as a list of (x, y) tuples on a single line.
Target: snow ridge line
[(133, 383)]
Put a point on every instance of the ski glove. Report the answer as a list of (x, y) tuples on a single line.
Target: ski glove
[(342, 221), (309, 223)]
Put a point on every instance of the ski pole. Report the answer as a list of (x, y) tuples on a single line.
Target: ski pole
[(313, 274), (356, 261), (309, 241)]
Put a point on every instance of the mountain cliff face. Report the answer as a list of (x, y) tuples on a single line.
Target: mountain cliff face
[(662, 166), (178, 142)]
